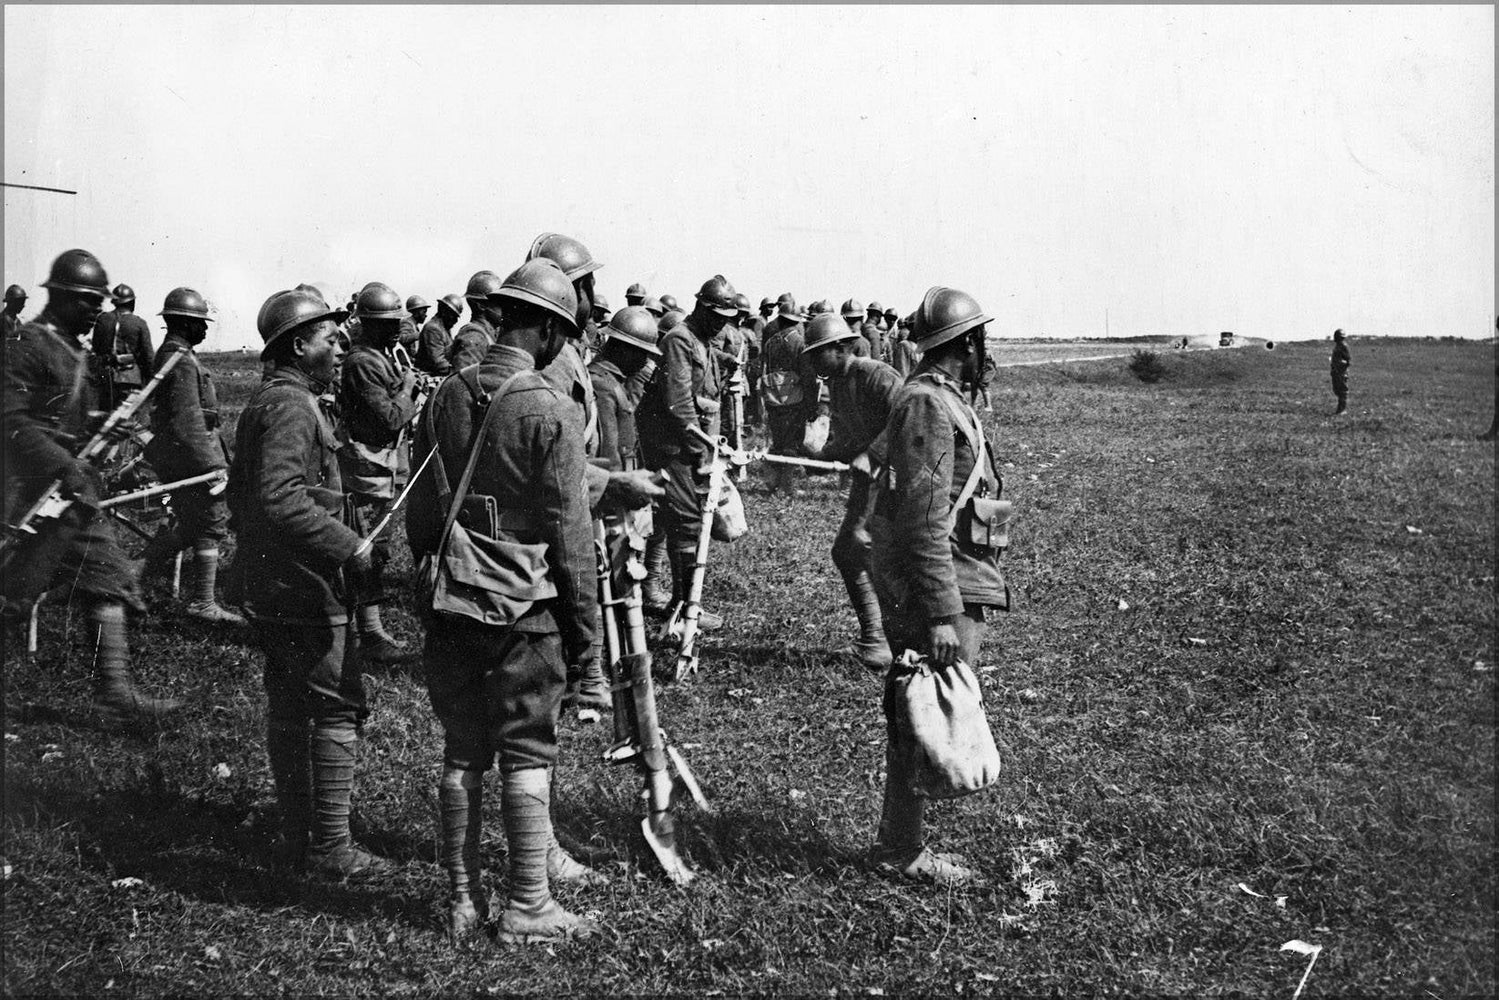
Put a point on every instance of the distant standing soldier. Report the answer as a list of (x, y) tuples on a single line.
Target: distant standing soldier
[(476, 336), (377, 401), (297, 562), (934, 580), (497, 688), (15, 301), (1341, 359), (788, 387), (629, 351), (48, 407), (436, 337), (636, 295), (186, 442), (892, 321), (122, 349), (853, 317), (861, 390), (904, 354), (734, 343), (411, 325)]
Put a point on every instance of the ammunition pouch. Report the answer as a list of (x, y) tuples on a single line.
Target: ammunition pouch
[(488, 579), (985, 523)]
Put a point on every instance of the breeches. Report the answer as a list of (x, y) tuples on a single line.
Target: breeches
[(682, 507), (201, 517), (851, 547), (786, 430), (496, 691), (312, 672), (911, 632)]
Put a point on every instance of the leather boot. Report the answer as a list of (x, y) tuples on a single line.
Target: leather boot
[(871, 648), (460, 796), (377, 645), (116, 697), (205, 605), (531, 915), (656, 591), (160, 551), (331, 851)]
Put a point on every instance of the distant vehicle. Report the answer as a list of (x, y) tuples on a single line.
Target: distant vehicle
[(1226, 338)]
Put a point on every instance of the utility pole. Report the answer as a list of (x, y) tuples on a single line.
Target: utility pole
[(1106, 322)]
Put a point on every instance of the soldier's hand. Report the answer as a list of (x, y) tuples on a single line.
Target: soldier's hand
[(124, 360), (82, 482), (943, 641), (863, 464), (634, 489), (361, 564)]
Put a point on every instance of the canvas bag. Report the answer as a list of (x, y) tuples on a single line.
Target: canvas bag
[(954, 752), (472, 575), (729, 522)]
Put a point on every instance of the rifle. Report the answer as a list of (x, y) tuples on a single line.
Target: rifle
[(638, 737), (51, 504)]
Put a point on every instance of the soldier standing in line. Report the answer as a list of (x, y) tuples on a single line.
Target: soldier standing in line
[(620, 375), (436, 336), (186, 442), (788, 388), (669, 303), (297, 565), (935, 582), (497, 688), (377, 401), (653, 305), (685, 393), (476, 336), (904, 355), (10, 319), (875, 332), (45, 414), (733, 345), (861, 390), (1341, 360), (636, 295), (892, 325), (122, 349), (853, 317), (753, 412), (411, 324)]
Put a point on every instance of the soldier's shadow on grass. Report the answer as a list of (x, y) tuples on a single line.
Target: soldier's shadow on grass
[(209, 851)]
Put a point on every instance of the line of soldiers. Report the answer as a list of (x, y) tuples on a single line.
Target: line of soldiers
[(543, 423)]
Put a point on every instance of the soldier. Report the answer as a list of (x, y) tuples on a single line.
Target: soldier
[(636, 295), (767, 310), (476, 336), (669, 303), (437, 336), (934, 581), (733, 345), (788, 387), (671, 318), (411, 325), (297, 562), (122, 349), (904, 355), (754, 329), (186, 442), (1341, 360), (497, 688), (685, 393), (377, 400), (601, 311), (853, 317), (877, 316), (47, 407), (620, 374), (653, 305), (15, 301), (861, 390)]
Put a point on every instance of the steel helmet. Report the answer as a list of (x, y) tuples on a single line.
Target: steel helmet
[(852, 309), (542, 282), (819, 307), (876, 308), (892, 316), (185, 302), (767, 303), (742, 303), (653, 306), (599, 302), (78, 271), (482, 285), (786, 306), (314, 289), (15, 293), (285, 311), (671, 320), (417, 302), (670, 302), (637, 292), (570, 255), (636, 327), (122, 293), (717, 294), (453, 302), (827, 329), (378, 301), (946, 313)]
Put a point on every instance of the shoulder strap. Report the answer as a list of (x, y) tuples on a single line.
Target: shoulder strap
[(490, 415), (967, 420)]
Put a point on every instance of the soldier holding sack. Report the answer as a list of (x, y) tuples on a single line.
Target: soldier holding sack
[(507, 484), (937, 531)]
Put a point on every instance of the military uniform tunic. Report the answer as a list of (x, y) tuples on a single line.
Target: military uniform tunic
[(186, 442), (788, 386), (432, 348), (122, 348), (470, 343)]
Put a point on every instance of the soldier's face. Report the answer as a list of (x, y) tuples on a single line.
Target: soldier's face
[(830, 360), (320, 350), (192, 330), (77, 310), (419, 316)]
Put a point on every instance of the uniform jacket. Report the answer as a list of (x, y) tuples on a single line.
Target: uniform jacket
[(409, 332), (45, 407), (781, 351), (904, 356), (927, 461), (619, 445), (375, 408), (117, 333), (685, 392), (10, 324), (470, 343), (874, 339), (859, 407), (432, 348), (184, 416), (1341, 358), (532, 463), (287, 501), (859, 347)]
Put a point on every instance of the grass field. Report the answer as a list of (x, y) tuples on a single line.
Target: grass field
[(1253, 648)]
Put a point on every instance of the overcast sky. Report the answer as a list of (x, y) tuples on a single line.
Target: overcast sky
[(1276, 171)]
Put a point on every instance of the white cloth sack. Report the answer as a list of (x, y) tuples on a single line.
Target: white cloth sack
[(729, 523), (954, 752)]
